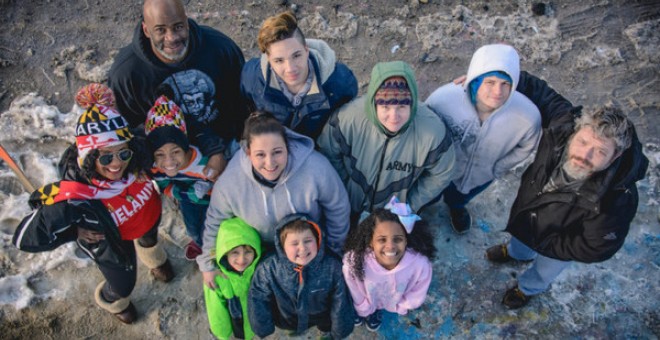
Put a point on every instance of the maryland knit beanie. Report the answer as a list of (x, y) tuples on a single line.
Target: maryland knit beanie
[(100, 125), (165, 124)]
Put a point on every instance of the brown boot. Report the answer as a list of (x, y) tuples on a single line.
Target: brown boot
[(128, 315), (122, 309), (155, 259), (164, 272)]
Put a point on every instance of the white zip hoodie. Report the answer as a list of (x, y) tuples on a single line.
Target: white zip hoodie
[(485, 151)]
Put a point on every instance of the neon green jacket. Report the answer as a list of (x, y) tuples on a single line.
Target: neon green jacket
[(226, 306)]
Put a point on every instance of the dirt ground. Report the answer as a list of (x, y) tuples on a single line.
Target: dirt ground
[(592, 51)]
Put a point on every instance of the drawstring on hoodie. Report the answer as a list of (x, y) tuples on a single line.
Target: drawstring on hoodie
[(263, 195), (288, 198), (299, 269)]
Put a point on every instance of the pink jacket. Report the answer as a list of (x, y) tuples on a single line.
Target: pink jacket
[(396, 290)]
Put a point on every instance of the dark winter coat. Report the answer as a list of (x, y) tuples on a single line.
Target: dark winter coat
[(51, 225), (212, 67), (284, 295), (587, 225), (338, 86)]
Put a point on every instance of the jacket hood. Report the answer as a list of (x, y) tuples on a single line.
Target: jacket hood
[(235, 232), (497, 57), (294, 217), (299, 147), (142, 45), (323, 58), (379, 74), (631, 166)]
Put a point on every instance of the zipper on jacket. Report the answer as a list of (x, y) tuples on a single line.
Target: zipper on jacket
[(533, 218), (380, 169), (469, 165)]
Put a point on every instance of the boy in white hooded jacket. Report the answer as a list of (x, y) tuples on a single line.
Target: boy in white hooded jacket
[(493, 126)]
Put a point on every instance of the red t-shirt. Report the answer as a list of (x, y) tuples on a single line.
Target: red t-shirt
[(136, 209)]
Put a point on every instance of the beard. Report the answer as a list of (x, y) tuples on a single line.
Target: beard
[(577, 172), (172, 57)]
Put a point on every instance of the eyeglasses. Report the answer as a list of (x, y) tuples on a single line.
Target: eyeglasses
[(123, 155)]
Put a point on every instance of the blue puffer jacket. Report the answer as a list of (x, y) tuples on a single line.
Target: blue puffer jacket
[(292, 297), (338, 86)]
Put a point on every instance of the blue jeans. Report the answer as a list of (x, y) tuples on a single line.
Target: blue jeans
[(543, 271), (458, 200), (194, 216)]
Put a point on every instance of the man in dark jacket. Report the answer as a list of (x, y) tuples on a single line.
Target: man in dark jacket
[(196, 65), (577, 199)]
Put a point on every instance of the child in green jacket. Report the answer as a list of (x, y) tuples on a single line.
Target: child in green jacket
[(238, 251)]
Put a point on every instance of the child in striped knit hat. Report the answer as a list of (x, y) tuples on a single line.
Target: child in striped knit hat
[(178, 168)]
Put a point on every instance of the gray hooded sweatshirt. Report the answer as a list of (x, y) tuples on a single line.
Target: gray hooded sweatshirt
[(309, 185), (486, 150)]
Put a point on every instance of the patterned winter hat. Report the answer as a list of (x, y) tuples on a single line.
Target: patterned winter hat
[(100, 125), (393, 91), (165, 124)]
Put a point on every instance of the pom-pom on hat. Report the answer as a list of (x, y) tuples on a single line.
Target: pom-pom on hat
[(393, 91), (100, 125), (165, 124)]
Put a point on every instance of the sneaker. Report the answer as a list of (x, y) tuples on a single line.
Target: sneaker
[(163, 273), (358, 321), (514, 298), (374, 320), (460, 220), (324, 335), (192, 250), (498, 254)]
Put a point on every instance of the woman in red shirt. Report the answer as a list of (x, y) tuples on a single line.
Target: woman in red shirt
[(104, 202)]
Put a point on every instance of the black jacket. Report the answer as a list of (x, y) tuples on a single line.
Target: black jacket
[(51, 225), (206, 85), (587, 225)]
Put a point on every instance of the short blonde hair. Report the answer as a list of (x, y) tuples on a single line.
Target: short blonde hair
[(277, 28)]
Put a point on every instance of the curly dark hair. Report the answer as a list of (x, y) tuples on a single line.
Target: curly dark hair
[(139, 162), (358, 242)]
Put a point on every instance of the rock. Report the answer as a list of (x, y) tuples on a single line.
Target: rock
[(539, 8)]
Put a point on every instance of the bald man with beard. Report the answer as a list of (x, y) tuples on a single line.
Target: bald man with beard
[(196, 66)]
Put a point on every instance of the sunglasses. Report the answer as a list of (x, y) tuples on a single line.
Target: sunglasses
[(123, 155)]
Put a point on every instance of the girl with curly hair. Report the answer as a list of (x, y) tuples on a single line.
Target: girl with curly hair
[(387, 263)]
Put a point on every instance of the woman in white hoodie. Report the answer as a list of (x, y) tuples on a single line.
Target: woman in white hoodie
[(493, 126), (277, 174)]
